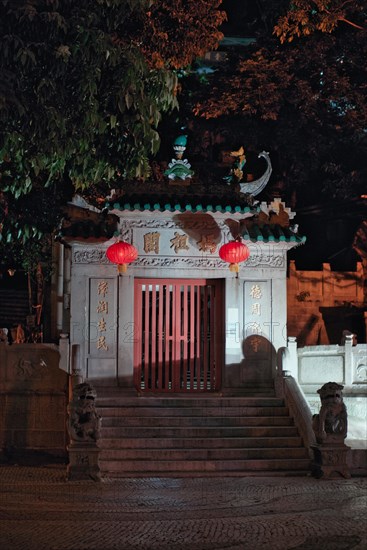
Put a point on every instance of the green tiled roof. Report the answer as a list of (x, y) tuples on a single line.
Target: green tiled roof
[(271, 233), (255, 233), (178, 207)]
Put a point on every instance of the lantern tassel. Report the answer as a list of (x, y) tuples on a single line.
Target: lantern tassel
[(234, 268), (122, 268)]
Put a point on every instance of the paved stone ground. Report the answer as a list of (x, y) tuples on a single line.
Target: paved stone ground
[(40, 510)]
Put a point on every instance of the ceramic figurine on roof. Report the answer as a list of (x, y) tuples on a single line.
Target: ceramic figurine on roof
[(236, 173), (179, 168)]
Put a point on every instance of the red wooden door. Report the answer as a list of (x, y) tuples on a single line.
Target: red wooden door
[(178, 335)]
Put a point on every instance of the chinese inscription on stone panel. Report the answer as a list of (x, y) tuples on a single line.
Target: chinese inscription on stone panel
[(102, 325), (151, 242), (255, 343), (256, 309), (256, 292), (179, 242), (254, 327), (207, 244), (101, 343), (102, 288), (102, 307), (257, 312)]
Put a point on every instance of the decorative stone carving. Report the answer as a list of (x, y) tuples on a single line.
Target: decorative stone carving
[(145, 223), (362, 372), (205, 263), (212, 263), (84, 424), (330, 427), (94, 256), (26, 369)]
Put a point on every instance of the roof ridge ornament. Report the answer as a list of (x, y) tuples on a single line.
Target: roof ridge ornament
[(277, 206), (255, 187), (179, 168), (236, 174)]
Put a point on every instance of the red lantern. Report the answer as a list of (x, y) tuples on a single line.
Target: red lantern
[(121, 253), (234, 252)]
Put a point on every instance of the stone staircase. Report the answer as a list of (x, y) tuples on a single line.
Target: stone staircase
[(201, 435)]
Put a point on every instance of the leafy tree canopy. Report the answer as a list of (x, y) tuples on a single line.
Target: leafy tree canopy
[(300, 90), (83, 86)]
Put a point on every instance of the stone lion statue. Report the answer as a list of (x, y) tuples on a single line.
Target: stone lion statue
[(330, 425), (4, 335), (84, 423)]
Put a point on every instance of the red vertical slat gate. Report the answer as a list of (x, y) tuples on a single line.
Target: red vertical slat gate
[(178, 335)]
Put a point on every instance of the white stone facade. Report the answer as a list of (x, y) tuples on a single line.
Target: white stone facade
[(171, 245)]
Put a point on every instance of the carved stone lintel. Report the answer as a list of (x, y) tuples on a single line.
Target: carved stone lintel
[(255, 260), (193, 224)]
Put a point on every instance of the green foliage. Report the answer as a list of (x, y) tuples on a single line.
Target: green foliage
[(304, 17), (83, 86), (79, 97), (300, 92)]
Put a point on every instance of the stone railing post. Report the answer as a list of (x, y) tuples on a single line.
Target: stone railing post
[(76, 370), (287, 388), (299, 409), (84, 424), (282, 355), (292, 363), (348, 360), (64, 350)]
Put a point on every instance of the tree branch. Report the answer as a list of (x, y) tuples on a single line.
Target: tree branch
[(351, 23)]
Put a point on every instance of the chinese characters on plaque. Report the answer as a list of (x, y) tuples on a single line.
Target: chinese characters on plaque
[(207, 244), (151, 242), (179, 242), (102, 308), (102, 317), (257, 312)]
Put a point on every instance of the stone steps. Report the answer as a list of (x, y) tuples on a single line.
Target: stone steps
[(195, 421), (203, 431), (205, 442), (198, 435), (227, 454), (148, 468), (131, 404)]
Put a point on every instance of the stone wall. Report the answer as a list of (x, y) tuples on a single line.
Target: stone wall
[(33, 400), (322, 304)]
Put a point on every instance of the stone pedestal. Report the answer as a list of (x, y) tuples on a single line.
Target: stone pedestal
[(330, 461), (83, 462)]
